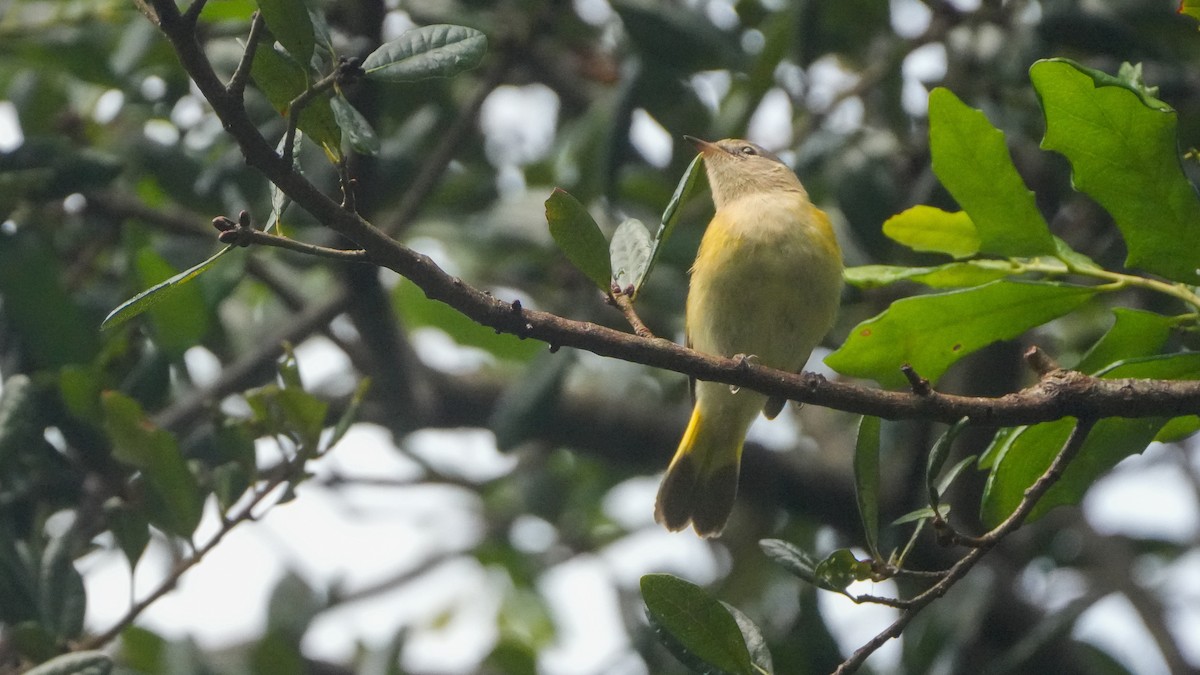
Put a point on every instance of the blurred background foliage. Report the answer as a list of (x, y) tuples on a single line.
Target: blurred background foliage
[(112, 165)]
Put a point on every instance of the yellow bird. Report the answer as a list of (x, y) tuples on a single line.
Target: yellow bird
[(765, 285)]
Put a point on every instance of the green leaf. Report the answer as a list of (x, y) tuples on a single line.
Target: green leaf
[(932, 230), (931, 332), (281, 80), (791, 558), (18, 582), (63, 598), (937, 459), (1190, 8), (756, 644), (31, 282), (629, 254), (1122, 147), (695, 626), (19, 427), (923, 513), (419, 311), (156, 293), (1031, 450), (129, 527), (153, 451), (1135, 333), (971, 159), (440, 50), (290, 24), (1178, 429), (75, 663), (866, 480), (354, 126), (840, 569), (579, 237), (950, 275), (526, 406), (670, 217), (180, 317)]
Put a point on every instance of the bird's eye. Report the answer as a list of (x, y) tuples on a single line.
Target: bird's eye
[(749, 150)]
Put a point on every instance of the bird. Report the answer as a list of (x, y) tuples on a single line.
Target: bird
[(765, 286)]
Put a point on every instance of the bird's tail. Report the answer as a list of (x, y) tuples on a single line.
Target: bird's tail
[(702, 480)]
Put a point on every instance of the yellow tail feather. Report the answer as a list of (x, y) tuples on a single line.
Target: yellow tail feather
[(701, 482)]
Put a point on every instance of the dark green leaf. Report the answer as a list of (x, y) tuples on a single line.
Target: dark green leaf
[(526, 406), (356, 128), (695, 626), (791, 558), (180, 316), (63, 598), (1031, 450), (1123, 151), (866, 480), (417, 311), (440, 50), (292, 607), (157, 293), (18, 417), (670, 217), (971, 159), (937, 459), (75, 663), (1178, 429), (130, 528), (18, 582), (579, 237), (138, 443), (290, 24), (629, 254), (931, 332), (303, 414), (31, 282), (930, 229), (840, 569), (756, 644), (281, 80), (950, 275)]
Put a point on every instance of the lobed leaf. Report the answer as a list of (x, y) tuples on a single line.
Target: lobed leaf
[(1122, 146), (932, 332), (440, 50), (972, 161), (579, 237), (695, 626)]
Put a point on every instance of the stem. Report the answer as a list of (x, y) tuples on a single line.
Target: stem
[(237, 83)]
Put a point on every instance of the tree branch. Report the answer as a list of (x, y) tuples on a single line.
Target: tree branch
[(1033, 494)]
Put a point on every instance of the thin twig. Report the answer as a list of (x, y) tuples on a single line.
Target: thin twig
[(248, 236), (621, 300), (185, 564), (297, 106), (192, 15), (1033, 495), (237, 83)]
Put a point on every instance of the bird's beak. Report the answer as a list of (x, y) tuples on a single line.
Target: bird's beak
[(703, 146)]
